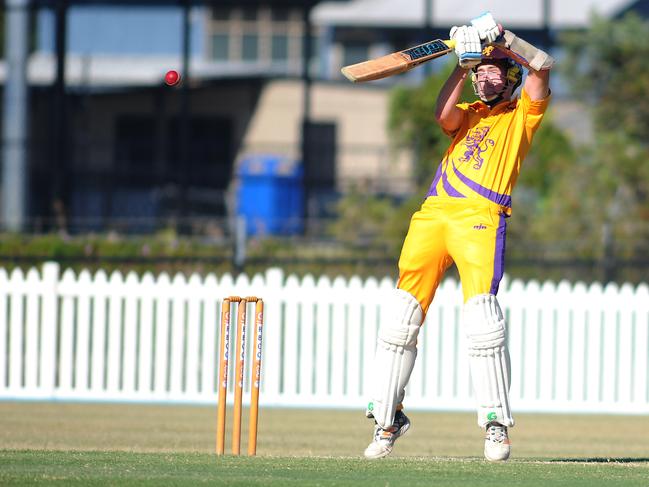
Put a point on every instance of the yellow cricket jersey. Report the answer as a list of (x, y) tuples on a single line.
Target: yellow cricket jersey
[(463, 219), (485, 157)]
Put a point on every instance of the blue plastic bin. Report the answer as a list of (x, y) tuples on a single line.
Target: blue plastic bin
[(270, 195)]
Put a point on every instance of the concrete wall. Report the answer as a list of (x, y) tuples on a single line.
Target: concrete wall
[(360, 114)]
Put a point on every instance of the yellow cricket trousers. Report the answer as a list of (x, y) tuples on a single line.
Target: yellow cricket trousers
[(468, 231)]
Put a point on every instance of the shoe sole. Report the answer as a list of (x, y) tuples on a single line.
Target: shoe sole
[(402, 431), (494, 459), (378, 455)]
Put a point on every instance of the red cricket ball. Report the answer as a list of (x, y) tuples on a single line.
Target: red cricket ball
[(172, 78)]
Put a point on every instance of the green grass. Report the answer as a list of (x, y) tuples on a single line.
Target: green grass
[(98, 444), (124, 468)]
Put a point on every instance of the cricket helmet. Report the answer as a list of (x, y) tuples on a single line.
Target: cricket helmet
[(513, 75)]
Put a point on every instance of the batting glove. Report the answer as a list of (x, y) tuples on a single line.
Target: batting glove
[(487, 28), (467, 45)]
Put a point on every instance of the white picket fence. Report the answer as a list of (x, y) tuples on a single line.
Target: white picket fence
[(124, 338)]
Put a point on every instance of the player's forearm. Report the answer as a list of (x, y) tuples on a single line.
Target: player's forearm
[(537, 84), (530, 56), (447, 114)]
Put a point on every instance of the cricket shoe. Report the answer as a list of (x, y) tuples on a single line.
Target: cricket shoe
[(384, 439), (497, 446)]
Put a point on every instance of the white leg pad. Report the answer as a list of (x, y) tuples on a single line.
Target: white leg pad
[(396, 351), (488, 359)]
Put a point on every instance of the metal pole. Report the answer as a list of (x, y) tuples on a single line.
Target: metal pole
[(184, 114), (306, 59), (547, 19), (428, 32), (14, 117), (428, 16), (59, 121), (306, 103)]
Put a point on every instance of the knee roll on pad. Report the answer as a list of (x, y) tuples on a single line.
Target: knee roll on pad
[(406, 316), (396, 351), (488, 358)]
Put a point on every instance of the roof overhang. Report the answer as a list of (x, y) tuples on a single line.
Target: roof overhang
[(411, 13), (156, 3)]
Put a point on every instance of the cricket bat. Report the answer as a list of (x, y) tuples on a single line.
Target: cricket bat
[(397, 62)]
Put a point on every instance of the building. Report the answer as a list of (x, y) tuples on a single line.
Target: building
[(110, 143)]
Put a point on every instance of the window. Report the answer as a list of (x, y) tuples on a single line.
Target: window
[(250, 47), (280, 14), (221, 14), (249, 14), (220, 47), (262, 34), (279, 48)]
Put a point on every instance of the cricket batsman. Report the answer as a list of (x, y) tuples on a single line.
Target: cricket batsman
[(463, 220)]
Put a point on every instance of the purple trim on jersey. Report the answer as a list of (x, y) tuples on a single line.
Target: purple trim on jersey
[(450, 190), (432, 191), (499, 254), (499, 199)]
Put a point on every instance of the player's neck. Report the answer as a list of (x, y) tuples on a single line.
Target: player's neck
[(496, 101), (492, 105)]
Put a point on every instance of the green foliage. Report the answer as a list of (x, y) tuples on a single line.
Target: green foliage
[(608, 65), (168, 252), (361, 217), (162, 252), (606, 190), (551, 153)]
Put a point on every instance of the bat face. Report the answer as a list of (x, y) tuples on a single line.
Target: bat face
[(428, 49), (397, 62)]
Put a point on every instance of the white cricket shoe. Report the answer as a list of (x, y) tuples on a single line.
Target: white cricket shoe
[(384, 439), (497, 446)]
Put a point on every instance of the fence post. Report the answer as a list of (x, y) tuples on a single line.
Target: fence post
[(49, 324), (272, 362)]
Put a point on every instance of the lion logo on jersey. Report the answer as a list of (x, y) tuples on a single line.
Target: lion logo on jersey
[(476, 144)]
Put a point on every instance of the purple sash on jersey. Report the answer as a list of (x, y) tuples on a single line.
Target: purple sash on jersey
[(441, 174), (499, 199)]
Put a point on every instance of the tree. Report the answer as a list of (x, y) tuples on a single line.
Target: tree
[(606, 190), (608, 66)]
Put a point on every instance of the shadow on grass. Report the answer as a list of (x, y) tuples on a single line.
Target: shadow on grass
[(602, 460)]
